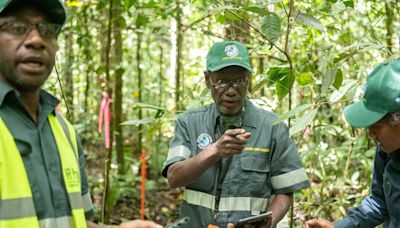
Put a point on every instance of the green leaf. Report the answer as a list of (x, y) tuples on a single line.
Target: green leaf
[(303, 122), (141, 20), (231, 16), (138, 122), (283, 86), (310, 21), (258, 9), (271, 27), (337, 8), (349, 3), (148, 106), (327, 79), (338, 94), (292, 112), (129, 3), (305, 78), (338, 79)]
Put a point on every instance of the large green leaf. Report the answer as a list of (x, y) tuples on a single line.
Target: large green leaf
[(271, 27), (338, 79), (305, 78), (338, 94), (292, 112), (337, 8), (258, 9), (303, 122), (328, 78), (148, 106), (309, 20), (138, 122), (283, 87), (280, 77)]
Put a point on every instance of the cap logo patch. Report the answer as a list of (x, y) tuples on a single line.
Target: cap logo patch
[(231, 50), (204, 140)]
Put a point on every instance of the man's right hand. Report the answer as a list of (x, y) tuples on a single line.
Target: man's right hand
[(231, 142), (318, 223)]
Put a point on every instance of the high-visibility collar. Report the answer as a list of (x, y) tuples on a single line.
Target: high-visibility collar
[(16, 203)]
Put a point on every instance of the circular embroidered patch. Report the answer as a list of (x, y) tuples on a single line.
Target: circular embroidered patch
[(231, 50), (204, 140)]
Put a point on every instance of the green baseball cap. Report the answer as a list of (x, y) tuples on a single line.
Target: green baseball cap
[(228, 53), (55, 8), (381, 97)]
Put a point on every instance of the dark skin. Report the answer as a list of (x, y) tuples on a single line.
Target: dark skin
[(229, 102), (25, 64)]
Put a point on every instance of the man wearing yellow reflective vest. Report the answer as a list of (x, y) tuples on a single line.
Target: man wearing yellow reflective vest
[(232, 159), (42, 178)]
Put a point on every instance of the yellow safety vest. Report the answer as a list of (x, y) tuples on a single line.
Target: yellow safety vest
[(16, 204)]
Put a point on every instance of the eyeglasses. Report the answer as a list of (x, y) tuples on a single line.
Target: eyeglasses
[(21, 29), (223, 84)]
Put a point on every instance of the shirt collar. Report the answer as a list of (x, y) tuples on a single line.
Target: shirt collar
[(249, 117), (48, 102), (4, 90)]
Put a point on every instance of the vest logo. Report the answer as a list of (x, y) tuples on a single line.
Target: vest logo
[(204, 140), (72, 176)]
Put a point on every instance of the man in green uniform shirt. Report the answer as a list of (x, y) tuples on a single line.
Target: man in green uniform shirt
[(229, 155), (42, 178), (379, 111)]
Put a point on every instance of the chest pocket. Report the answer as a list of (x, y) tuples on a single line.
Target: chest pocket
[(255, 169)]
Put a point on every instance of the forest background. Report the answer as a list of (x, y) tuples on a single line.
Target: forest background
[(310, 59)]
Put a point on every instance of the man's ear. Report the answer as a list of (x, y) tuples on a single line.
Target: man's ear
[(207, 78)]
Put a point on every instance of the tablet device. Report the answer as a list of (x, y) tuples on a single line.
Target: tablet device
[(254, 220)]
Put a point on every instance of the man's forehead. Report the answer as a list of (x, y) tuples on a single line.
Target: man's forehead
[(233, 72)]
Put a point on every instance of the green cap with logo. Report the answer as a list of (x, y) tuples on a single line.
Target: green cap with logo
[(54, 8), (381, 97), (228, 53)]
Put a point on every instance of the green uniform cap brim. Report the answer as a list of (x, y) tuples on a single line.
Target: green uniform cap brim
[(219, 67), (359, 116)]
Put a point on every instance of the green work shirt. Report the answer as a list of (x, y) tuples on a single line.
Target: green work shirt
[(268, 165), (36, 143)]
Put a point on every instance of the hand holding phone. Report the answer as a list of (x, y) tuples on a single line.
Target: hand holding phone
[(256, 220)]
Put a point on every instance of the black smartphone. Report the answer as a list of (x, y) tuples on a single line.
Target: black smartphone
[(254, 220)]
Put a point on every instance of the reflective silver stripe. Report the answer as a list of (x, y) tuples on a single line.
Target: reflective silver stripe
[(199, 198), (243, 204), (61, 222), (289, 179), (87, 202), (76, 200), (178, 151), (226, 203), (16, 208)]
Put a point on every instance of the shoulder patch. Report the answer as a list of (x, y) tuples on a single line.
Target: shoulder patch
[(204, 141)]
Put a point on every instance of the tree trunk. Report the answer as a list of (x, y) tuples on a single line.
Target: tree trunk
[(140, 88), (106, 210), (179, 45), (69, 87), (118, 97)]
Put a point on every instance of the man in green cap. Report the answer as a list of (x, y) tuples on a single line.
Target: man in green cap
[(230, 157), (379, 111), (42, 178)]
